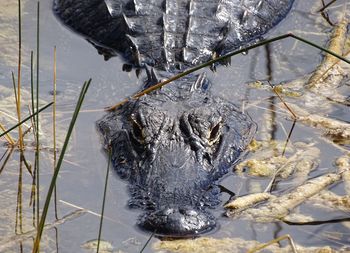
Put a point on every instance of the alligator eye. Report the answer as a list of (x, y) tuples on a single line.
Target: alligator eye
[(137, 130), (215, 133)]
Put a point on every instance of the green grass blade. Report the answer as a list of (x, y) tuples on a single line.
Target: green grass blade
[(149, 239), (57, 170), (14, 87), (104, 199), (37, 67), (32, 82), (24, 120), (225, 57), (54, 122), (6, 159), (310, 43), (18, 100), (243, 50), (37, 153)]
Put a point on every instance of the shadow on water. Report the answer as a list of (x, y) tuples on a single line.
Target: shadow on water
[(73, 220)]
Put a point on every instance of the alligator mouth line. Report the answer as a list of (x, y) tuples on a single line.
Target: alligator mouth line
[(180, 222)]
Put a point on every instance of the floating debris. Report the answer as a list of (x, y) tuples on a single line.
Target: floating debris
[(105, 246), (229, 245), (267, 160), (281, 206), (329, 73), (305, 160), (343, 164), (298, 218), (286, 91), (276, 240), (244, 202), (319, 89), (254, 145), (280, 88), (328, 199), (262, 168), (336, 130)]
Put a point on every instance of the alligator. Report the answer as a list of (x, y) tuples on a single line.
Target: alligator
[(170, 34), (174, 144)]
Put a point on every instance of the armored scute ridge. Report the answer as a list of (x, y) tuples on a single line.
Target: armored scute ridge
[(169, 34), (174, 144)]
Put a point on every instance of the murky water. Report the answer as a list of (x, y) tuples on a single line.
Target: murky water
[(82, 176)]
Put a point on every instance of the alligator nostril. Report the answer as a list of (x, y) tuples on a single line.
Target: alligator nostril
[(177, 222), (188, 212), (169, 211), (191, 212)]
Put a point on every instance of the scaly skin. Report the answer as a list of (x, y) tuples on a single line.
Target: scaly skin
[(172, 146), (170, 34)]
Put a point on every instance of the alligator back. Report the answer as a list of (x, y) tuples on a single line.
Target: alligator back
[(170, 34)]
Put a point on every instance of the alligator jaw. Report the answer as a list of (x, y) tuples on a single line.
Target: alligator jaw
[(178, 222)]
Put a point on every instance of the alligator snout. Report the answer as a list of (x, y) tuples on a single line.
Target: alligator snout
[(177, 221)]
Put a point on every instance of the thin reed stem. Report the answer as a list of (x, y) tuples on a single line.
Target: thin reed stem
[(282, 100), (31, 110), (28, 166), (15, 92), (19, 212), (7, 136), (32, 84), (26, 119), (54, 122), (149, 239), (281, 238), (222, 58), (14, 88), (327, 5), (104, 199), (288, 138), (4, 154), (6, 159), (37, 154), (54, 105), (18, 99)]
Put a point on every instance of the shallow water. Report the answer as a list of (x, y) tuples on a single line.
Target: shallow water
[(82, 176)]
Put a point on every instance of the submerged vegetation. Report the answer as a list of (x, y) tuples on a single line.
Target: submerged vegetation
[(285, 177)]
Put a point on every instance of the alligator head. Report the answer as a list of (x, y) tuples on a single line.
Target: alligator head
[(172, 146)]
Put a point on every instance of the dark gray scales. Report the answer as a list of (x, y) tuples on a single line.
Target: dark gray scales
[(174, 144), (168, 34)]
